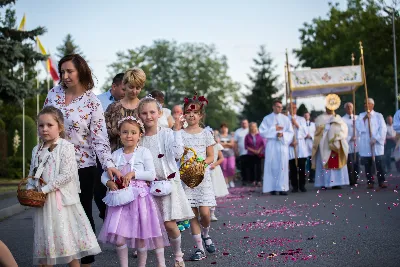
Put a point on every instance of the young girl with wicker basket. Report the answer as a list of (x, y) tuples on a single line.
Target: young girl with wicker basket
[(62, 231), (165, 146), (195, 174), (133, 218)]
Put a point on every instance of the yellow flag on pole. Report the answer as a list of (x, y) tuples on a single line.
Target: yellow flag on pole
[(40, 46), (22, 24)]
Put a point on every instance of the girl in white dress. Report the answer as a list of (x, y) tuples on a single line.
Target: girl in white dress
[(217, 177), (202, 197), (62, 231), (165, 146)]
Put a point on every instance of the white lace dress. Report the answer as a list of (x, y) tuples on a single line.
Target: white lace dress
[(203, 194), (62, 233), (176, 205)]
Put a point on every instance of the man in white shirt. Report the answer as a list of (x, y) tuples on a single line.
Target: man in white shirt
[(374, 145), (390, 142), (278, 130), (240, 151), (299, 128), (115, 93), (310, 129), (353, 166)]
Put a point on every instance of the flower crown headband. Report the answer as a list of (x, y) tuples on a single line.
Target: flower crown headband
[(132, 118), (201, 99), (149, 96)]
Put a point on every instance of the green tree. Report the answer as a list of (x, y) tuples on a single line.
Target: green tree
[(8, 110), (17, 58), (68, 47), (263, 90), (331, 41), (179, 70)]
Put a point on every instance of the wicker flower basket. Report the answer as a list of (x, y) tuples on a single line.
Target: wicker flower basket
[(31, 198), (192, 170)]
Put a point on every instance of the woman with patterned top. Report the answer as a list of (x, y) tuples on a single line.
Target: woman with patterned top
[(133, 81), (85, 127)]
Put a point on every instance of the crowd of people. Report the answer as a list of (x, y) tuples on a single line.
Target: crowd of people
[(126, 153)]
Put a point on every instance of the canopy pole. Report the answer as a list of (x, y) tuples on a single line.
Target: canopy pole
[(368, 110), (291, 106), (354, 123)]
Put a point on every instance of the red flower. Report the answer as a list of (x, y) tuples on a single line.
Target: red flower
[(203, 99), (186, 100), (194, 97), (158, 190), (160, 156), (193, 107), (172, 175), (119, 184)]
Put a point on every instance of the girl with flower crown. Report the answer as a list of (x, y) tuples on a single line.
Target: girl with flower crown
[(133, 219), (202, 197), (165, 146)]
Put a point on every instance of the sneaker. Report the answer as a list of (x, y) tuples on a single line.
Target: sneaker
[(336, 187), (186, 223), (283, 193), (232, 184), (273, 193), (210, 248), (198, 255), (213, 218)]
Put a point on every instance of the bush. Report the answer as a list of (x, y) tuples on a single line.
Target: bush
[(15, 128), (2, 124), (12, 167)]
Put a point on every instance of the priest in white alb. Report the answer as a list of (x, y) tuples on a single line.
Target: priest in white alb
[(278, 130), (372, 140), (330, 148)]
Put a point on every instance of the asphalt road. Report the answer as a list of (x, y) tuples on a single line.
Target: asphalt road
[(348, 227)]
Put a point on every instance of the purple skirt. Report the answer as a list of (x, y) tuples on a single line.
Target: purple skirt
[(137, 224)]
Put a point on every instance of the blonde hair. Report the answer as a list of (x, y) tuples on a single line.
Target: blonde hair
[(134, 77), (146, 100)]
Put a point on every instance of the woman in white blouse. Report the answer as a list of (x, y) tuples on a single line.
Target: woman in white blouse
[(84, 127)]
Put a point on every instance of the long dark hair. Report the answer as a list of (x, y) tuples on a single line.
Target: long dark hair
[(84, 72)]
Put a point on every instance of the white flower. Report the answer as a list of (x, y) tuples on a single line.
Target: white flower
[(16, 141)]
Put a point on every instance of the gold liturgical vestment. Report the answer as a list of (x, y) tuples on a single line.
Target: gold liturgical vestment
[(330, 141)]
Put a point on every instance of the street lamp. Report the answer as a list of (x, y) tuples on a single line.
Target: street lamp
[(391, 11)]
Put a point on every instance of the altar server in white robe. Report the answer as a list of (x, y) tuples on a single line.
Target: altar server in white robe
[(330, 147), (352, 139), (310, 129), (297, 174), (278, 131), (377, 143)]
